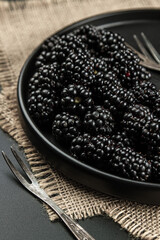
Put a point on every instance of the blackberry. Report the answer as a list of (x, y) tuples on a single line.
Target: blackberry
[(113, 109), (45, 52), (135, 119), (119, 97), (43, 97), (155, 164), (95, 151), (57, 49), (127, 163), (151, 135), (100, 41), (91, 36), (99, 121), (122, 140), (126, 65), (156, 107), (103, 82), (145, 93), (78, 69), (76, 99), (110, 43), (65, 127), (68, 43)]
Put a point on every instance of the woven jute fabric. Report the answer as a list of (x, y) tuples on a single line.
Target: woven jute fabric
[(23, 26)]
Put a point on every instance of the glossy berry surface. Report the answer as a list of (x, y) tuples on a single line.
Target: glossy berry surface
[(99, 121), (145, 93), (135, 119), (65, 126), (94, 150), (151, 135), (155, 164), (126, 162), (76, 99), (89, 91), (42, 94)]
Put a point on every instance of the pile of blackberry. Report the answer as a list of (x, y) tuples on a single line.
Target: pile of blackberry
[(93, 96)]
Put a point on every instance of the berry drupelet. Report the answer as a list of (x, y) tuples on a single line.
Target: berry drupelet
[(151, 135), (113, 109), (57, 49), (45, 52), (101, 42), (127, 163), (145, 93), (65, 127), (96, 150), (42, 94), (126, 66), (110, 43), (103, 82), (99, 121), (78, 68), (122, 140), (156, 107), (119, 98), (155, 164), (91, 36), (76, 99), (68, 43), (135, 119)]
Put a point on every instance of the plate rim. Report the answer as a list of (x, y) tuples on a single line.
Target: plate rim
[(40, 134)]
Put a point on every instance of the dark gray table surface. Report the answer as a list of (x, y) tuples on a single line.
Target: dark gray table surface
[(22, 216)]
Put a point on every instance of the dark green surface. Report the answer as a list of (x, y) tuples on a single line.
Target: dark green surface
[(23, 217)]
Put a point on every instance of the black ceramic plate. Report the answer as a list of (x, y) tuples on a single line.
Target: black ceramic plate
[(126, 23)]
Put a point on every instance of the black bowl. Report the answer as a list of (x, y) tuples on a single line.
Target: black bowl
[(126, 23)]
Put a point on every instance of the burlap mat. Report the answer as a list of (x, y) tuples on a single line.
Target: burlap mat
[(23, 25)]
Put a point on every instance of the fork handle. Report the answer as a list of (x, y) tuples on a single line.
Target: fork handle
[(74, 227)]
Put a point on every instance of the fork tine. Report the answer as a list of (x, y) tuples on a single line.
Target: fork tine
[(15, 172), (23, 165), (140, 45), (151, 48)]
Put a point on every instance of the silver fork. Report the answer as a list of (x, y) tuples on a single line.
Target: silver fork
[(149, 59), (35, 189)]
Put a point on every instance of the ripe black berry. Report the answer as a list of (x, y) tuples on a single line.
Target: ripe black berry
[(155, 164), (135, 119), (46, 51), (145, 93), (99, 121), (121, 139), (76, 99), (127, 163), (151, 135), (119, 99), (65, 127), (156, 107), (129, 71), (42, 94), (95, 151)]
